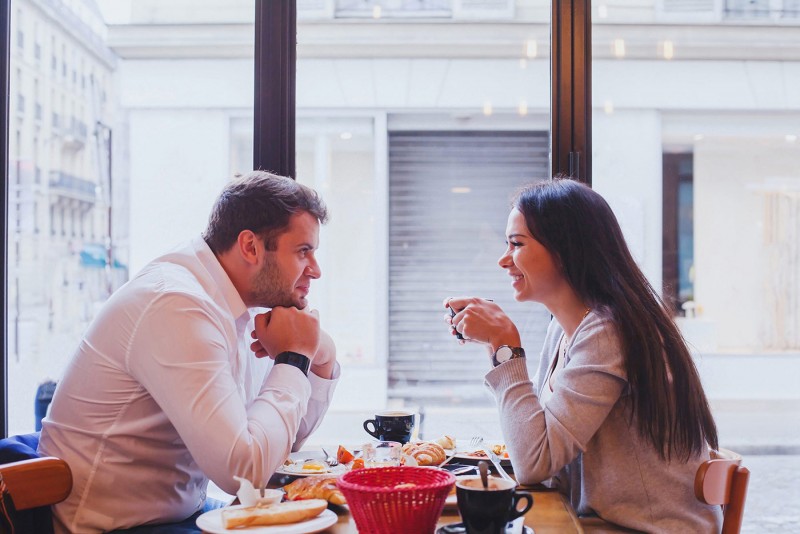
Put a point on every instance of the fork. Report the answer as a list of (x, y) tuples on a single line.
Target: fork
[(330, 460), (476, 441)]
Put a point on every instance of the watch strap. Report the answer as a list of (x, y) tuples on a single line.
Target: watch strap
[(294, 359)]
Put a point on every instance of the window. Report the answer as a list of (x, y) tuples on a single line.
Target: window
[(71, 176), (704, 177), (377, 106)]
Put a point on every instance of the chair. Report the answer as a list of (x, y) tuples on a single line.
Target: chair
[(29, 485), (723, 481)]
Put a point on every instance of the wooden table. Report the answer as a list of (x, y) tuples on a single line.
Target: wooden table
[(551, 514)]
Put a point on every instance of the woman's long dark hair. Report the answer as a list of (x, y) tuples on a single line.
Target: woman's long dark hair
[(577, 226)]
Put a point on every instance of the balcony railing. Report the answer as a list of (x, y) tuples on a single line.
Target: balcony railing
[(761, 9), (74, 135), (405, 9), (68, 186)]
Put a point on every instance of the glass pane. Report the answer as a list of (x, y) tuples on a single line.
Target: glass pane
[(417, 122), (116, 113), (695, 130), (336, 156)]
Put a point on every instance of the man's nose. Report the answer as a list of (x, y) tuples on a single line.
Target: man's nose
[(313, 270)]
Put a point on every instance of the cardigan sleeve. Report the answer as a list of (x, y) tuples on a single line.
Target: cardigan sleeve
[(542, 440)]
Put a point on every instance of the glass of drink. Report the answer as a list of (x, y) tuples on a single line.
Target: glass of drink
[(382, 454)]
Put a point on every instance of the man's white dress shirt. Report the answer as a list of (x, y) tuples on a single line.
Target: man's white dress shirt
[(164, 393)]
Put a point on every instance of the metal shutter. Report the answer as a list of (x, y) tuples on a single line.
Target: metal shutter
[(444, 243)]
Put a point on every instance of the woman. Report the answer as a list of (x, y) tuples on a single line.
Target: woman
[(616, 416)]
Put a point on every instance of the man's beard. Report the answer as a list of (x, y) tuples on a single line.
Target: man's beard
[(269, 289)]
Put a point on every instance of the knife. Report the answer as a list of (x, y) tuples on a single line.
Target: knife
[(496, 463)]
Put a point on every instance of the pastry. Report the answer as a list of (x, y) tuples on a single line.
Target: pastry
[(323, 487), (447, 442), (425, 452)]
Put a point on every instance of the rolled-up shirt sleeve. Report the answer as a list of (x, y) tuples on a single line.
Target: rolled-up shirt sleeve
[(182, 360), (321, 396)]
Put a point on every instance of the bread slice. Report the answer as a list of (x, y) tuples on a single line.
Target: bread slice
[(277, 514)]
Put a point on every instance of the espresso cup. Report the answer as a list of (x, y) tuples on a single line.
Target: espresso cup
[(391, 426), (488, 511)]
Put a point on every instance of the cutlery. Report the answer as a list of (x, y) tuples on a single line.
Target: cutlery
[(459, 469), (483, 468), (330, 460), (496, 463)]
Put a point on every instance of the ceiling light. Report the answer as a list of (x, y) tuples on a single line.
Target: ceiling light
[(461, 189), (619, 47), (531, 48), (668, 50)]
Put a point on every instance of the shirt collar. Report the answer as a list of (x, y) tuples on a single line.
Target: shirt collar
[(224, 284)]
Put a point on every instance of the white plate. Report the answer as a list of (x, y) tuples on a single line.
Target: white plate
[(463, 453), (212, 522), (296, 469)]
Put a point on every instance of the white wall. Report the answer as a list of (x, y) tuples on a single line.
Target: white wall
[(179, 127), (626, 170)]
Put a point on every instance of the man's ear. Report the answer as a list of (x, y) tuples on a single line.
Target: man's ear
[(249, 246)]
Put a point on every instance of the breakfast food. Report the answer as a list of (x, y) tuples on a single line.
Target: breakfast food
[(315, 488), (343, 455), (499, 449), (425, 452), (447, 442), (314, 467), (276, 514)]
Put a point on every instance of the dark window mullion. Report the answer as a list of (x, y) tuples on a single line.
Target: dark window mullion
[(275, 71), (5, 31), (571, 89)]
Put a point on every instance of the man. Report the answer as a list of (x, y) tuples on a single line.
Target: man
[(163, 392)]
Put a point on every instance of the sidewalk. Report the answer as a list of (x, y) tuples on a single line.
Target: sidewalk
[(758, 427)]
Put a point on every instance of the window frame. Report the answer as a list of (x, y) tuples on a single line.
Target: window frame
[(275, 109)]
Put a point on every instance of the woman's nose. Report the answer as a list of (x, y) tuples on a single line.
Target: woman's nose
[(505, 260)]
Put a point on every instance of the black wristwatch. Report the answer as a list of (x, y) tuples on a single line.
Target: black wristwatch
[(505, 353), (296, 359)]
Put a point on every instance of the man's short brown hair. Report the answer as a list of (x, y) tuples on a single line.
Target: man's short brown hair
[(263, 203)]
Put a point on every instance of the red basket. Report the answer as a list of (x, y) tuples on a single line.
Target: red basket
[(379, 506)]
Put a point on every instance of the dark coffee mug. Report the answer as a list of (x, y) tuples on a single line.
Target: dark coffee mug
[(391, 426), (488, 511)]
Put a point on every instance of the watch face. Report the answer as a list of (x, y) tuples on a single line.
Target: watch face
[(504, 354)]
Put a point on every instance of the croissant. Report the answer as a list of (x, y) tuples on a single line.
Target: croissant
[(425, 452), (321, 487), (447, 442)]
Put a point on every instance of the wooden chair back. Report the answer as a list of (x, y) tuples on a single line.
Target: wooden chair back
[(723, 481), (36, 482)]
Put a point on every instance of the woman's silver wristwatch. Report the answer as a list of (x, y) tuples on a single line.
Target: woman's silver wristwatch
[(505, 353)]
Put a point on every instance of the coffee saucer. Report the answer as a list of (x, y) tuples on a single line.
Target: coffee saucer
[(458, 528)]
